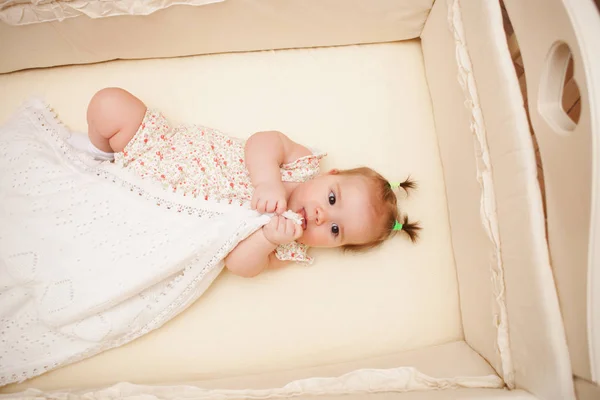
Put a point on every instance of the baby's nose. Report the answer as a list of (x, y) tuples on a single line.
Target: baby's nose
[(321, 216)]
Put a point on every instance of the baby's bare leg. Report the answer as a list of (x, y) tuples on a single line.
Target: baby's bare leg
[(114, 116)]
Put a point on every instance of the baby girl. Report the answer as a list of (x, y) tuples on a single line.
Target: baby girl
[(353, 209)]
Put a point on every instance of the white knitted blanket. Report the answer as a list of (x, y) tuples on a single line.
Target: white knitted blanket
[(92, 257)]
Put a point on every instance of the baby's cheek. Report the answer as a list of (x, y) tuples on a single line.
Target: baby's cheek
[(306, 238), (318, 237)]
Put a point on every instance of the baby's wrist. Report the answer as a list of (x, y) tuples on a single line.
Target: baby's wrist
[(268, 241), (267, 179)]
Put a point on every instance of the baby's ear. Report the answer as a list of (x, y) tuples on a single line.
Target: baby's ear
[(334, 171)]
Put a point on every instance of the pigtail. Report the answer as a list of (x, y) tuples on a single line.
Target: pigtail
[(408, 185), (411, 229), (399, 222)]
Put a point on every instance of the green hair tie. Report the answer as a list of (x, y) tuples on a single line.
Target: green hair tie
[(397, 226)]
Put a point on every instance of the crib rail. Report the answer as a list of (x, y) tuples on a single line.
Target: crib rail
[(551, 34)]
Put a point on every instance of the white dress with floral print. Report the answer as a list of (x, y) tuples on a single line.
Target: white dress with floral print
[(194, 160)]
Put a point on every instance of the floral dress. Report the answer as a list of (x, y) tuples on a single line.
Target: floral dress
[(194, 160)]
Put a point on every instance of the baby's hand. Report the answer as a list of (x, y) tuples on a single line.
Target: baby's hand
[(281, 230), (269, 197)]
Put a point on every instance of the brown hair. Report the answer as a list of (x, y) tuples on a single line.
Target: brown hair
[(385, 197)]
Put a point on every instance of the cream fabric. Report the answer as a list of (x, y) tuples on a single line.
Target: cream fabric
[(511, 206), (435, 361), (489, 217), (363, 105), (381, 374), (23, 12), (472, 247), (401, 379), (446, 394), (230, 26)]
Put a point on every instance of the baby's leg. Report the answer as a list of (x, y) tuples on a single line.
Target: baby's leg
[(114, 116)]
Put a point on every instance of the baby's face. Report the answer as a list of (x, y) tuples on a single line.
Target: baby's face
[(337, 210)]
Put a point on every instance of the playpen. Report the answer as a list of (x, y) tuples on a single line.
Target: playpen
[(500, 297)]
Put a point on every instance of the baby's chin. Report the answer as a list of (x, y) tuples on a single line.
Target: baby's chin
[(306, 241)]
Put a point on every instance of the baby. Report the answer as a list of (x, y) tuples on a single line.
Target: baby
[(353, 209)]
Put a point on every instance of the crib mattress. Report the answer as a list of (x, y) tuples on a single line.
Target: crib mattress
[(363, 105)]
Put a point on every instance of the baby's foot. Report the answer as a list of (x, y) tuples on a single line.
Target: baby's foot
[(82, 142)]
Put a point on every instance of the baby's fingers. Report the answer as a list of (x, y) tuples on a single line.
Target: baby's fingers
[(275, 222), (270, 206), (289, 227), (281, 206), (298, 231), (261, 205)]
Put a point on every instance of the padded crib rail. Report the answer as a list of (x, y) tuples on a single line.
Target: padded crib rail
[(24, 12), (191, 27), (550, 33), (510, 308)]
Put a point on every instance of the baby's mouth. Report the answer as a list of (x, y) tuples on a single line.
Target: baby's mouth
[(302, 212)]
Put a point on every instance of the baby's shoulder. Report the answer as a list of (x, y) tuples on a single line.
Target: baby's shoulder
[(303, 169)]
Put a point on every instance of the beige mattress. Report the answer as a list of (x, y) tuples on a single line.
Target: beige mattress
[(366, 104)]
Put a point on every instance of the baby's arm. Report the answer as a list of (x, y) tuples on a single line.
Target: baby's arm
[(251, 256), (256, 253), (265, 152)]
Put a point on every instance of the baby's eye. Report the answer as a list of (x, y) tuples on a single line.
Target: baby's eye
[(335, 230), (331, 198)]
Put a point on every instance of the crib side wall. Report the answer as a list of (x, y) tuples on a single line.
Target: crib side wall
[(550, 32), (509, 303), (228, 26), (470, 243)]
